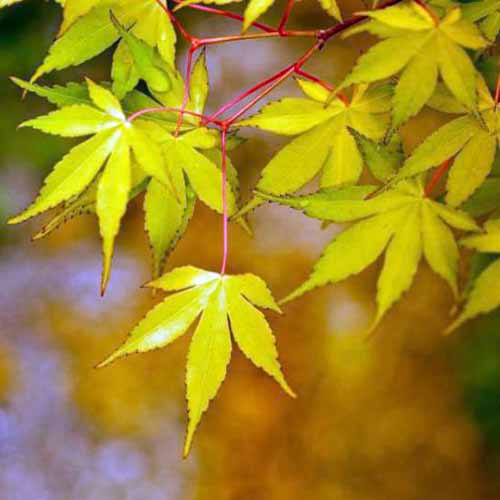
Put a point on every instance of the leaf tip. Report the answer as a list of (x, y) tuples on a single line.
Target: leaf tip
[(107, 361), (453, 326), (17, 219), (298, 292), (290, 391)]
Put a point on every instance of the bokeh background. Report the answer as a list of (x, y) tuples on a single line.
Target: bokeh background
[(408, 415)]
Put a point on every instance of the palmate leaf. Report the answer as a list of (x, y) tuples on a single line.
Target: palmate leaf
[(168, 209), (485, 293), (420, 49), (226, 304), (116, 139), (472, 141), (487, 12), (401, 221), (185, 154), (326, 142), (88, 30)]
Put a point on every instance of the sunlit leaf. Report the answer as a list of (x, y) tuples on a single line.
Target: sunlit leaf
[(225, 305)]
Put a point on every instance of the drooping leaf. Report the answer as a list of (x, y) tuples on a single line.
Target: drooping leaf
[(116, 138), (225, 303), (165, 219), (150, 67), (415, 87), (471, 141), (401, 219), (383, 160), (199, 84), (345, 163), (124, 73), (488, 13), (299, 161), (87, 30), (209, 356), (112, 198), (484, 296)]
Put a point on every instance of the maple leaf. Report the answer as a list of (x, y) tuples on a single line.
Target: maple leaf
[(400, 221), (326, 142), (227, 306), (485, 294), (420, 46), (190, 162), (169, 201), (487, 12), (114, 140), (88, 30), (471, 139)]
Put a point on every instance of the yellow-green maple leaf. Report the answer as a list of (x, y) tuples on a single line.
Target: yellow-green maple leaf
[(227, 304), (401, 221), (115, 138), (485, 294), (420, 47), (487, 13), (325, 139), (88, 30), (471, 139)]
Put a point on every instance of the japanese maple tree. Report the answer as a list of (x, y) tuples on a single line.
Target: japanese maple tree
[(147, 133)]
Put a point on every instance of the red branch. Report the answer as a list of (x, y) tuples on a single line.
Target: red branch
[(161, 109), (265, 86), (229, 15), (497, 90), (436, 176), (225, 217), (286, 15)]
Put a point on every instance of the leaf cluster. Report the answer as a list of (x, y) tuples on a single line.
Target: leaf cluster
[(347, 162)]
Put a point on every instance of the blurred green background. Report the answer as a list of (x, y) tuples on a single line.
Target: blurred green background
[(407, 415)]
